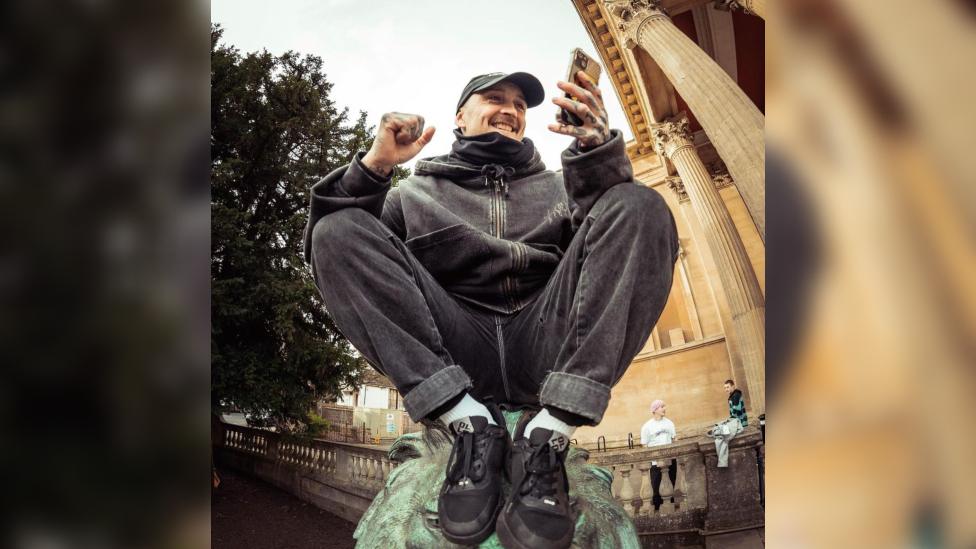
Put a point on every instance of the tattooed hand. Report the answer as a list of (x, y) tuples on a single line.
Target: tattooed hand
[(399, 138), (595, 129)]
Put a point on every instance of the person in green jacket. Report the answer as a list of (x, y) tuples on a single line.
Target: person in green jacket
[(737, 404), (725, 431)]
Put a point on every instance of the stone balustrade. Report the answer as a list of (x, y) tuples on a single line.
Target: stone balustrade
[(339, 477), (703, 500)]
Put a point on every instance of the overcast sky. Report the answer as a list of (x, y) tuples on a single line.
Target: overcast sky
[(416, 56)]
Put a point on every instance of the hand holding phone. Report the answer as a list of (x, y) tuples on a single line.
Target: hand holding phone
[(579, 61), (582, 114)]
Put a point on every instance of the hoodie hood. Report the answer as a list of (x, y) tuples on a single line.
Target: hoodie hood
[(451, 167)]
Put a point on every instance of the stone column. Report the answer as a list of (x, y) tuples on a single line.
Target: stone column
[(754, 7), (690, 306), (730, 119), (746, 303)]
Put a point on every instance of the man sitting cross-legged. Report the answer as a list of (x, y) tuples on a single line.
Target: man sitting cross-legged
[(486, 278)]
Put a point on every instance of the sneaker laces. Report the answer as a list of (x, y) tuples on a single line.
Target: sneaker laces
[(471, 453), (542, 469)]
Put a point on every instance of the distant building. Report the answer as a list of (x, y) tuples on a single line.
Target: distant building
[(375, 404), (376, 392)]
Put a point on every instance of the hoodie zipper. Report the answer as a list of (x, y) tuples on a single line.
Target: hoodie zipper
[(497, 213), (497, 207), (499, 190)]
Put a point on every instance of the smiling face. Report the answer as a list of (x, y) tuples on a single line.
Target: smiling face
[(500, 108)]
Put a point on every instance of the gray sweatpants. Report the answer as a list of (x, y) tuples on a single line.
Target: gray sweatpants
[(566, 348), (722, 441)]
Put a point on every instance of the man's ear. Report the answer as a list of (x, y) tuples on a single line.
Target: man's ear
[(459, 120)]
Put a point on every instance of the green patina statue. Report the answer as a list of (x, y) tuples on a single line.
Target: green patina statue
[(404, 513)]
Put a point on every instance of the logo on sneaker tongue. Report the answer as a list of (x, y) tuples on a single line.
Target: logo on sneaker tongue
[(558, 442), (463, 426)]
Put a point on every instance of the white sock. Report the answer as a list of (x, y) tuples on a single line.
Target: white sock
[(545, 420), (467, 407)]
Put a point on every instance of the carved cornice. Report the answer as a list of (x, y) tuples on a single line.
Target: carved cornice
[(671, 135), (716, 167), (631, 15), (598, 24), (722, 180), (719, 174), (678, 188), (729, 5)]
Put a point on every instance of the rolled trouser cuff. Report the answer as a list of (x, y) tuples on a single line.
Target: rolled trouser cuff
[(435, 391), (576, 394)]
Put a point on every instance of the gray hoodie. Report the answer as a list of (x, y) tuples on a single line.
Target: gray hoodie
[(492, 242)]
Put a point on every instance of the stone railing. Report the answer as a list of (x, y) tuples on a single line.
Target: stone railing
[(703, 500), (338, 477)]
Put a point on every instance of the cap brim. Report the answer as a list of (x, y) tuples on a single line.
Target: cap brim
[(531, 87)]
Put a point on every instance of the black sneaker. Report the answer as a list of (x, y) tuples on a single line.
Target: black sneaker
[(521, 450), (472, 492), (538, 512)]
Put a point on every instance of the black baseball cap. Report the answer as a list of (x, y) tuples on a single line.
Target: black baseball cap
[(530, 86)]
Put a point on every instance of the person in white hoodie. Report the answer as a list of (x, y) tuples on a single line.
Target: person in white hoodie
[(659, 431)]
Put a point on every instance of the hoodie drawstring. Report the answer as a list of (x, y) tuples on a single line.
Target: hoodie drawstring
[(498, 173)]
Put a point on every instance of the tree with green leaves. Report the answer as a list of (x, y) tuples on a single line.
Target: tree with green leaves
[(274, 132)]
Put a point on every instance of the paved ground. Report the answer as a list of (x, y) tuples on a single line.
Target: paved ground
[(249, 514)]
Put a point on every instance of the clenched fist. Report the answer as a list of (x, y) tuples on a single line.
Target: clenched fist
[(399, 138)]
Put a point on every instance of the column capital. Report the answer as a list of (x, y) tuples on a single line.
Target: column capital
[(677, 187), (728, 5), (671, 135), (630, 15)]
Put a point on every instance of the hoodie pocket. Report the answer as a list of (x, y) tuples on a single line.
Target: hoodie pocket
[(455, 255)]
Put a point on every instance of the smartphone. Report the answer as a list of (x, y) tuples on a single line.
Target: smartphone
[(579, 62)]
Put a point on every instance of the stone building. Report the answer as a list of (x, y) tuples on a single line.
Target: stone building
[(690, 77)]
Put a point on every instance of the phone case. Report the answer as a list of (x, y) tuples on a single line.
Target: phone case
[(579, 61)]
